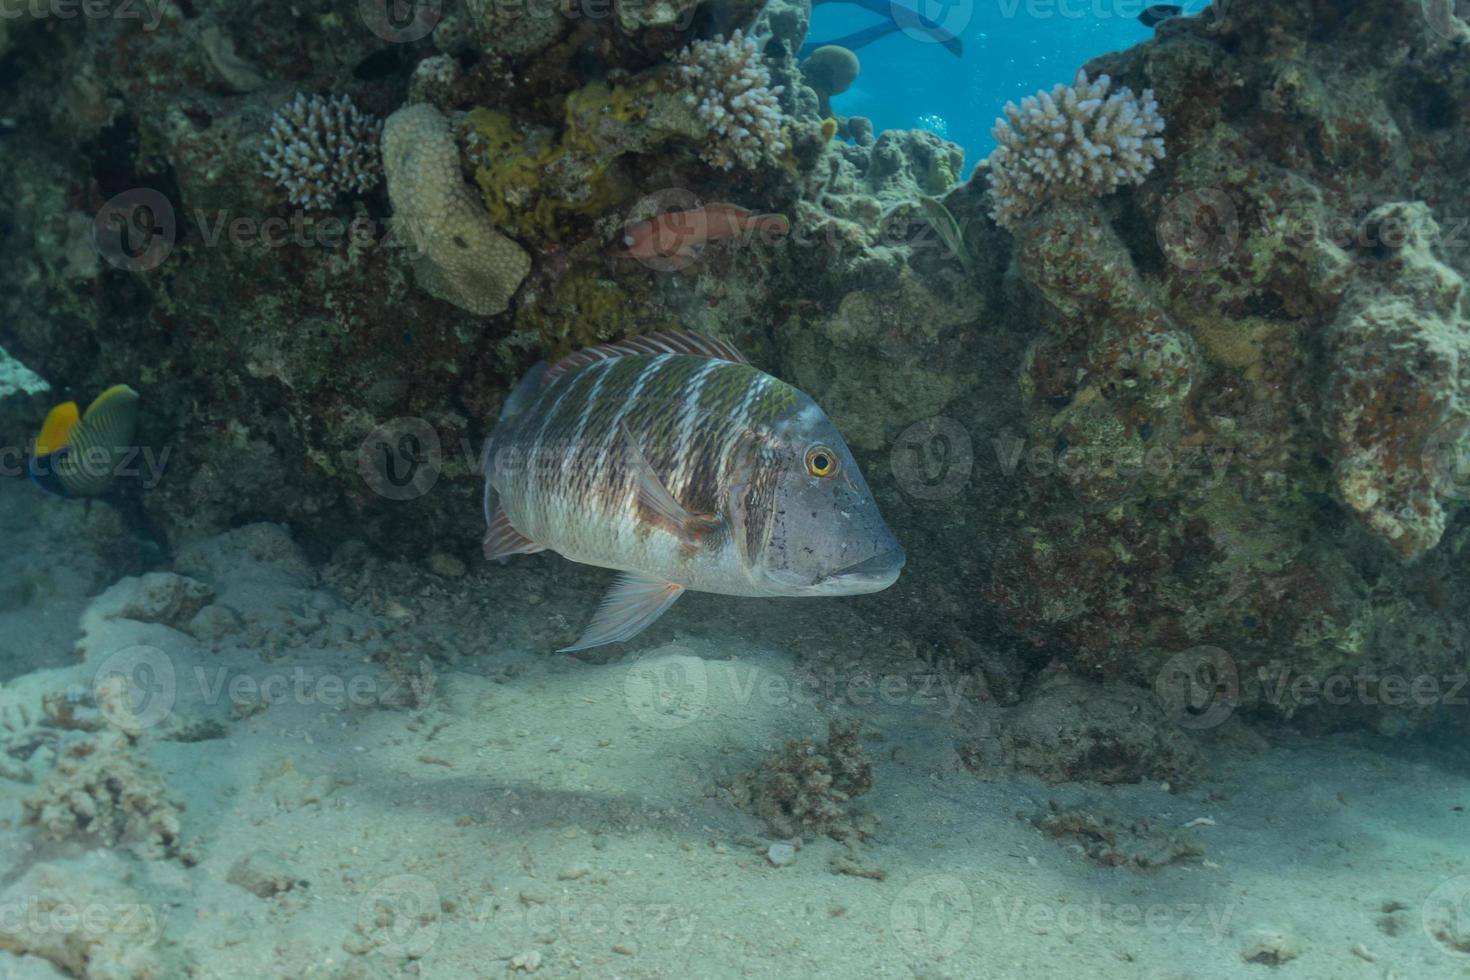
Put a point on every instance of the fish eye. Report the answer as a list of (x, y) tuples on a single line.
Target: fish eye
[(821, 461)]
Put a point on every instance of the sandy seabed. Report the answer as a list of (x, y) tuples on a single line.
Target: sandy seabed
[(250, 765)]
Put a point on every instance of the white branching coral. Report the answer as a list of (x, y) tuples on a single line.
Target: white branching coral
[(731, 91), (319, 147), (1074, 141)]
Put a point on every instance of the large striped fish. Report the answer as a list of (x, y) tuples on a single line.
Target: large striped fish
[(674, 461)]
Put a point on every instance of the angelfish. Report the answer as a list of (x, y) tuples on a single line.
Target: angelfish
[(674, 461), (77, 454)]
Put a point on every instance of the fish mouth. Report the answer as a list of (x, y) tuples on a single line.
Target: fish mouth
[(872, 574)]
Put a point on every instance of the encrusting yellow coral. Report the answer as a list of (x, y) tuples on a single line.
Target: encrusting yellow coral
[(462, 258)]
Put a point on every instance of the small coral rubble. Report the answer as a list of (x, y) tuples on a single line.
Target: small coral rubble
[(103, 790), (806, 789)]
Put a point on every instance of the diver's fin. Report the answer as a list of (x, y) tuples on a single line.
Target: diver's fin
[(630, 607), (657, 504), (852, 42), (916, 24), (502, 540)]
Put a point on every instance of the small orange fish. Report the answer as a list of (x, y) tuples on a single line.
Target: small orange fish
[(677, 233)]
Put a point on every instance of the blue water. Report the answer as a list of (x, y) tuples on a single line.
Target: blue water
[(1012, 48)]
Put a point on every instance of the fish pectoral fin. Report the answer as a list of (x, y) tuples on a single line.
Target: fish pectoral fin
[(658, 505), (502, 540), (630, 607)]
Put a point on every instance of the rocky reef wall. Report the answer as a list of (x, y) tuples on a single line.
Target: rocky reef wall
[(1213, 424)]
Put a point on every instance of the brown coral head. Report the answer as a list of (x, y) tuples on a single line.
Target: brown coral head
[(830, 70)]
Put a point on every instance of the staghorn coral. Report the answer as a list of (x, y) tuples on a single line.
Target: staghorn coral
[(462, 258), (320, 147), (1074, 141), (732, 92)]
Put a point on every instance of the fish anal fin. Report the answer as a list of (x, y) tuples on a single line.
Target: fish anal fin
[(632, 605), (502, 539), (658, 505), (666, 342)]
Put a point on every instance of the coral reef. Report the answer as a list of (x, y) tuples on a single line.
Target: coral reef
[(730, 88), (1206, 409), (461, 257), (321, 147), (1242, 413), (547, 189), (1398, 407), (1074, 141), (102, 791)]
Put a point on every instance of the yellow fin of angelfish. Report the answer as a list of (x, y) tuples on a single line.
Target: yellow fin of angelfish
[(56, 430)]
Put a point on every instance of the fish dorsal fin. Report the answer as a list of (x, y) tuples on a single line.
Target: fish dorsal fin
[(128, 396), (664, 342), (630, 607), (56, 430)]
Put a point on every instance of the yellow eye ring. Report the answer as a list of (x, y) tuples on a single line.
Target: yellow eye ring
[(821, 461)]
